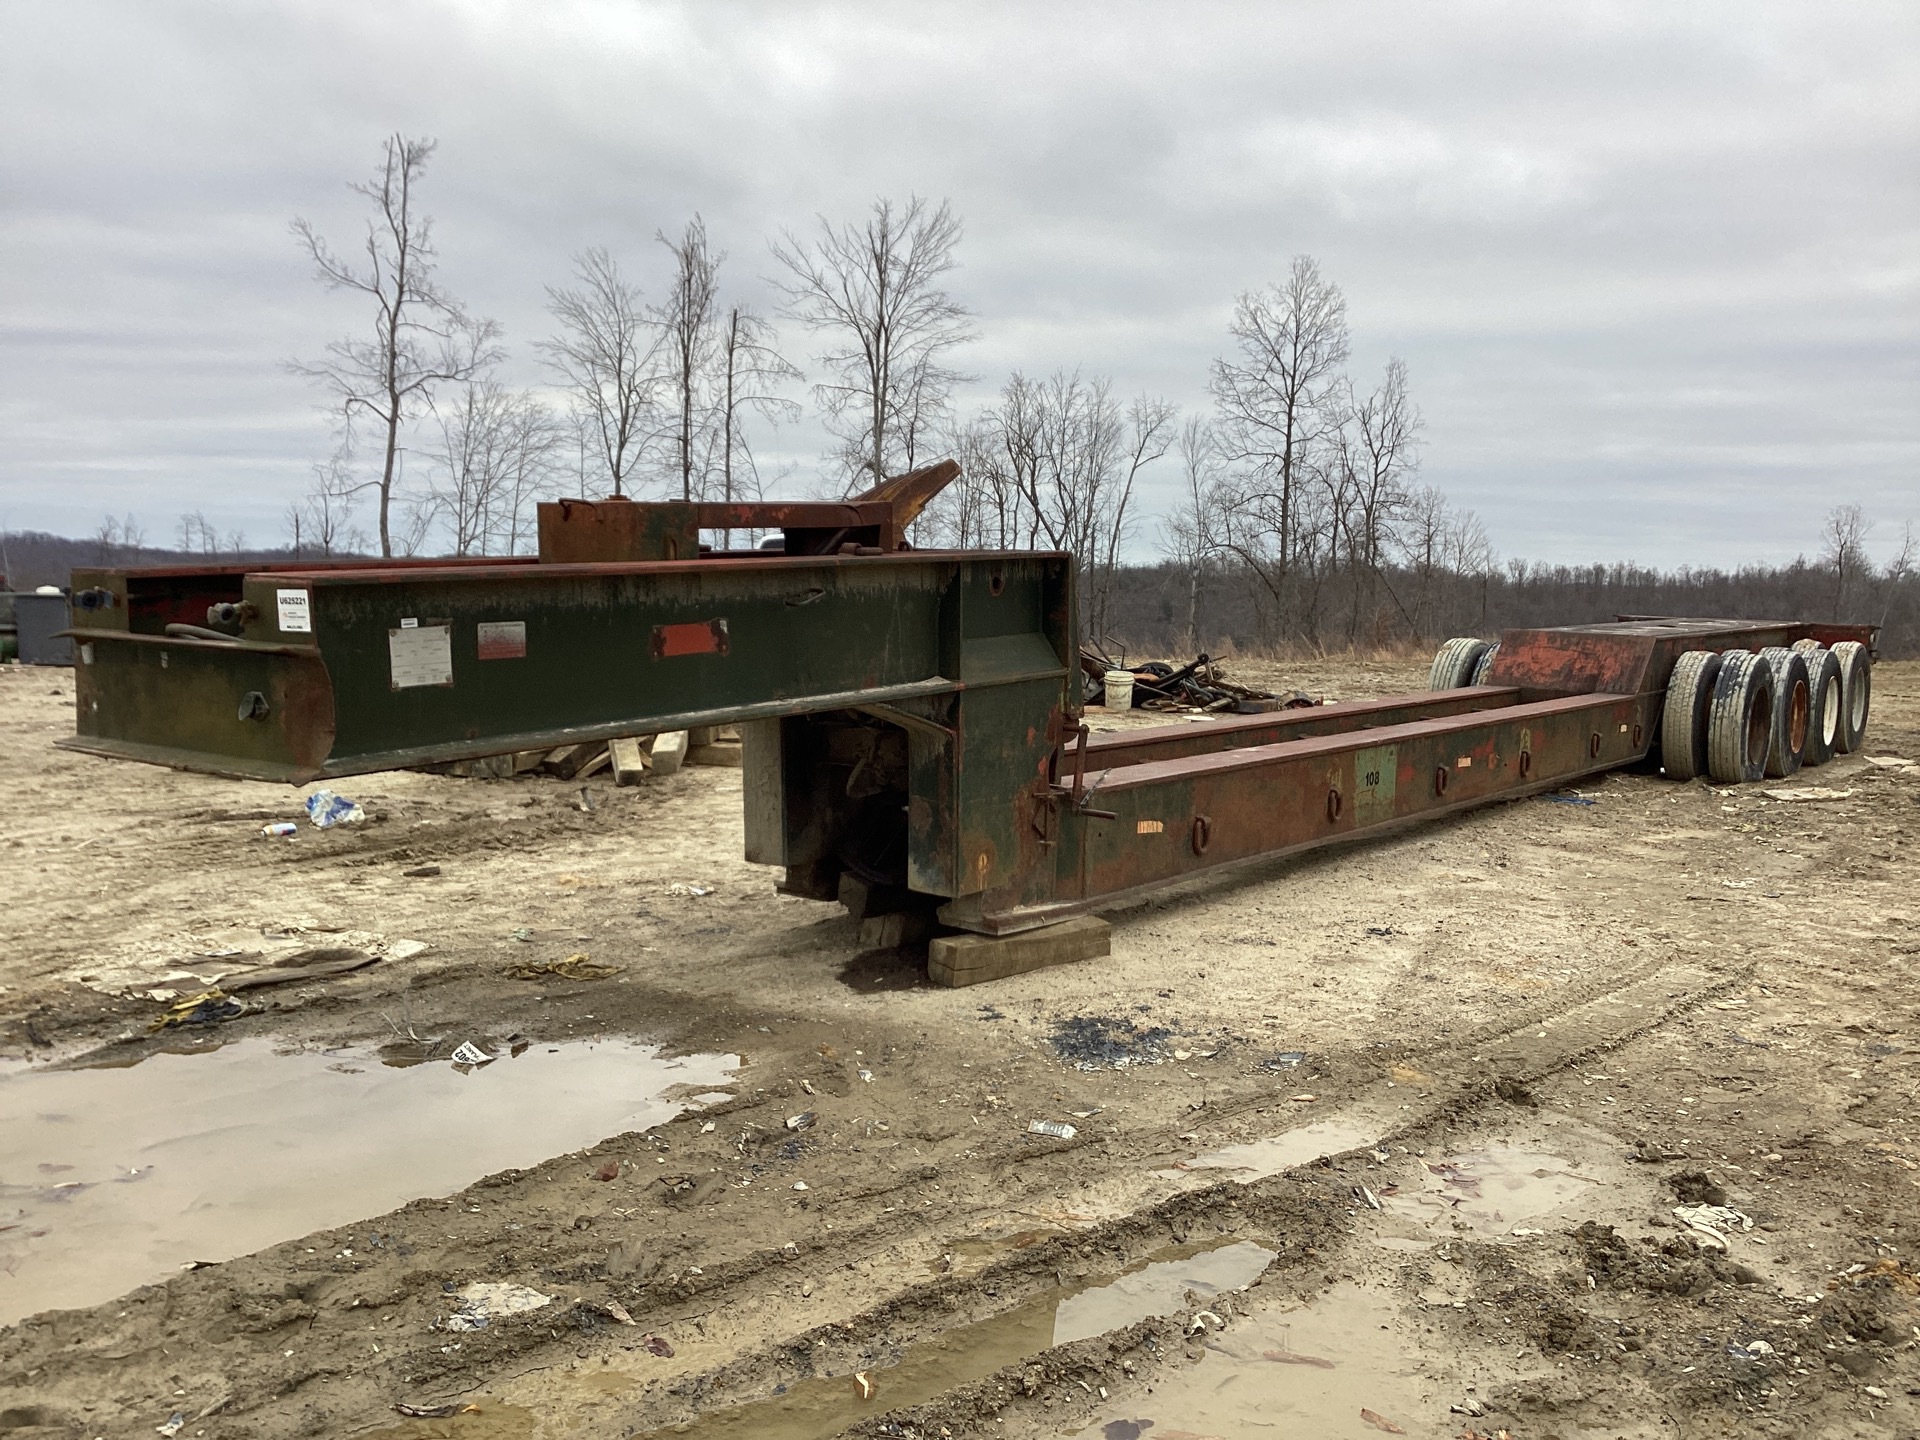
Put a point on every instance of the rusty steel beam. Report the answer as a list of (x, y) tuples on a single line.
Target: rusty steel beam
[(1128, 828), (1169, 742)]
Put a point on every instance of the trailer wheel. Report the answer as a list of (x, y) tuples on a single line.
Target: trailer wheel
[(1740, 724), (1805, 647), (1823, 706), (1683, 720), (1483, 665), (1791, 711), (1856, 694), (1453, 666)]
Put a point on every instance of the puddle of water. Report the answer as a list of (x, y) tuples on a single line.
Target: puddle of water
[(1257, 1159), (817, 1408), (1158, 1288), (112, 1178), (1310, 1371), (1492, 1192)]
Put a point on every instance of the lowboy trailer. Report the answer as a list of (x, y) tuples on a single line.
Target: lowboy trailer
[(910, 719)]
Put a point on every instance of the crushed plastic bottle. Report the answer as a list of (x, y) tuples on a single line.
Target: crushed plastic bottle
[(327, 809)]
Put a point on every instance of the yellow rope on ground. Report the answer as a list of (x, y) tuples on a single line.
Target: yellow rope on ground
[(575, 967)]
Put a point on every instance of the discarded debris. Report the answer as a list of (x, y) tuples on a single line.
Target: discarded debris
[(468, 1053), (1890, 762), (865, 1381), (209, 1007), (421, 872), (326, 809), (436, 1412), (279, 830), (1198, 685), (1712, 1223), (1108, 1042), (320, 964), (803, 1121), (608, 1171), (1807, 792), (654, 1345), (487, 1300), (1570, 798), (1058, 1129), (577, 966), (689, 892), (619, 1312), (175, 1423), (1379, 1421)]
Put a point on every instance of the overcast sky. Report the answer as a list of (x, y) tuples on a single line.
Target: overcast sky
[(1655, 270)]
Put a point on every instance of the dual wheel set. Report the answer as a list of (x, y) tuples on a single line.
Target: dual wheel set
[(1735, 715)]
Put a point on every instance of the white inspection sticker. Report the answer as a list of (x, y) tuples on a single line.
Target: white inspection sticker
[(296, 611), (421, 655)]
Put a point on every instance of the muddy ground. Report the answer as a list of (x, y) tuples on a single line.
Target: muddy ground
[(1451, 1085)]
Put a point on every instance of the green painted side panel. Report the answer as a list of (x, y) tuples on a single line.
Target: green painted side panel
[(1375, 774)]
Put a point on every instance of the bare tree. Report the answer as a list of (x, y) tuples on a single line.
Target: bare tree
[(1055, 463), (196, 536), (1845, 537), (496, 449), (322, 520), (420, 336), (119, 539), (1188, 541), (604, 355), (1378, 453), (749, 372), (1278, 398), (689, 338), (1150, 435), (874, 288)]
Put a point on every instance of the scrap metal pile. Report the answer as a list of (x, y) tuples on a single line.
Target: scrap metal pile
[(1198, 686)]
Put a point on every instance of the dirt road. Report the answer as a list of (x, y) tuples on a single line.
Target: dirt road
[(1523, 1039)]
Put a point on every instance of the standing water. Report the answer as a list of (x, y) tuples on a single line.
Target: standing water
[(116, 1177)]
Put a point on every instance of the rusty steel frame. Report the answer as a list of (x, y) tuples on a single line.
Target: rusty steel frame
[(910, 718), (1135, 810)]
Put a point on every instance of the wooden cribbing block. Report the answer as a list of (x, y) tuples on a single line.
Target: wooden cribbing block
[(892, 931), (969, 959), (717, 752), (629, 760), (668, 751)]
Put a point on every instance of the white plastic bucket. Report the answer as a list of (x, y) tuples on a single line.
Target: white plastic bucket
[(1119, 689)]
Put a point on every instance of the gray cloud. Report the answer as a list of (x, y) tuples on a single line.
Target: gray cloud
[(1652, 267)]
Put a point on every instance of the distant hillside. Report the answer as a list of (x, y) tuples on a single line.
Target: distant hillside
[(31, 558)]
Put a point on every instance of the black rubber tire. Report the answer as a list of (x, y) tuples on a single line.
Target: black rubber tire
[(1823, 706), (1453, 666), (1856, 694), (1791, 711), (1683, 720), (1482, 666), (1740, 724), (1806, 647)]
